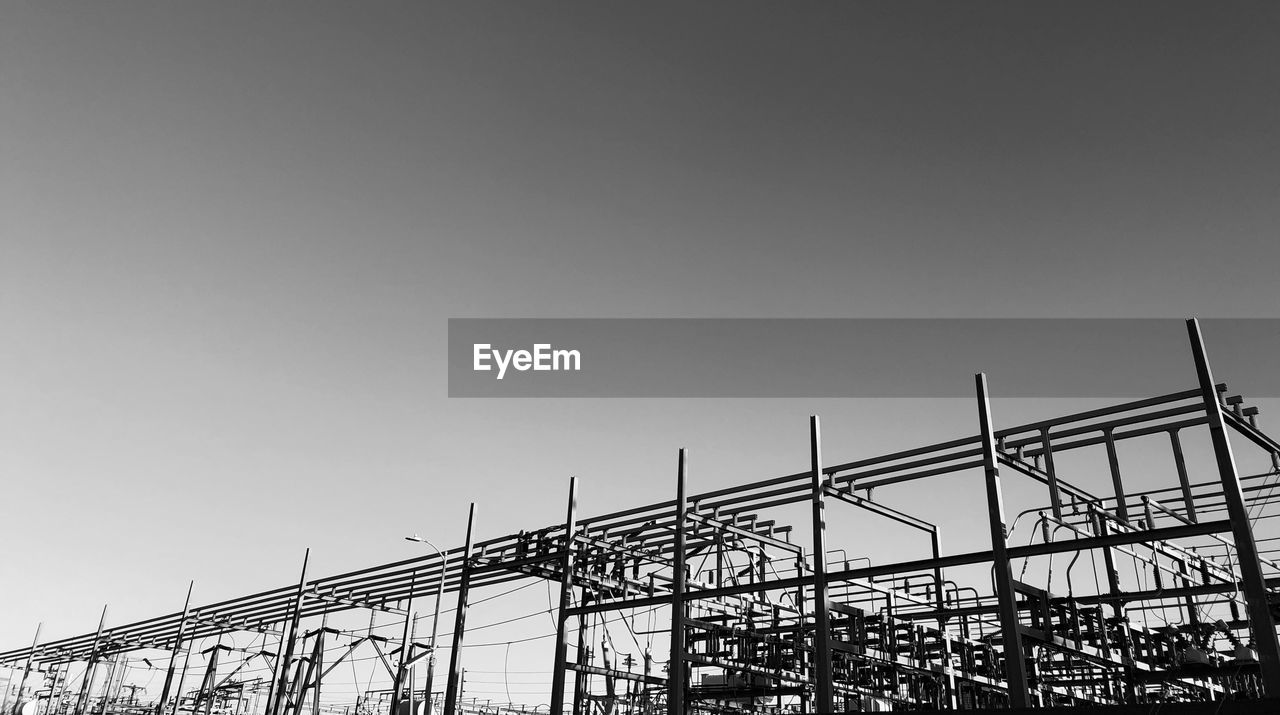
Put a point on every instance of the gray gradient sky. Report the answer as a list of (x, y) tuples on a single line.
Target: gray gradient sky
[(231, 235)]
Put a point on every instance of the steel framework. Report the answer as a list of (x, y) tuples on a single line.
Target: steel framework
[(771, 626)]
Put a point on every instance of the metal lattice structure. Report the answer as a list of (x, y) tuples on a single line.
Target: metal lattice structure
[(774, 625)]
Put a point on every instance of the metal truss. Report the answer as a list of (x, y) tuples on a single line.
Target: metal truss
[(774, 625)]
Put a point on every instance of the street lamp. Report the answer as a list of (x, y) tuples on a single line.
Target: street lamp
[(435, 619)]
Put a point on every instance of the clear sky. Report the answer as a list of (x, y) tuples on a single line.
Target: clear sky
[(231, 235)]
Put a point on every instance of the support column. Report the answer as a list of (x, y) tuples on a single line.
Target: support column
[(453, 690), (940, 603), (309, 683), (296, 686), (1015, 666), (26, 669), (406, 643), (1254, 585), (1113, 463), (63, 705), (1055, 495), (106, 687), (435, 622), (410, 675), (1124, 642), (566, 591), (939, 599), (57, 689), (1183, 480), (280, 680), (209, 688), (675, 668), (182, 679), (173, 655), (315, 700), (82, 702), (583, 658), (825, 702)]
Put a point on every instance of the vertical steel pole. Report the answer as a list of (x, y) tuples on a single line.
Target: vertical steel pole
[(124, 675), (281, 678), (208, 688), (173, 655), (435, 622), (319, 669), (90, 667), (1125, 642), (825, 702), (63, 679), (397, 684), (940, 603), (1015, 666), (719, 557), (453, 689), (26, 669), (411, 676), (566, 590), (1183, 480), (182, 678), (1113, 463), (580, 679), (1055, 495), (935, 547), (112, 694), (1188, 601), (298, 686), (106, 687), (58, 672), (1255, 589), (675, 668)]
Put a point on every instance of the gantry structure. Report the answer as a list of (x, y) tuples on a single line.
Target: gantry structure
[(762, 619)]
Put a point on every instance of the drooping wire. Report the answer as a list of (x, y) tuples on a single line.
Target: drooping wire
[(506, 680)]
